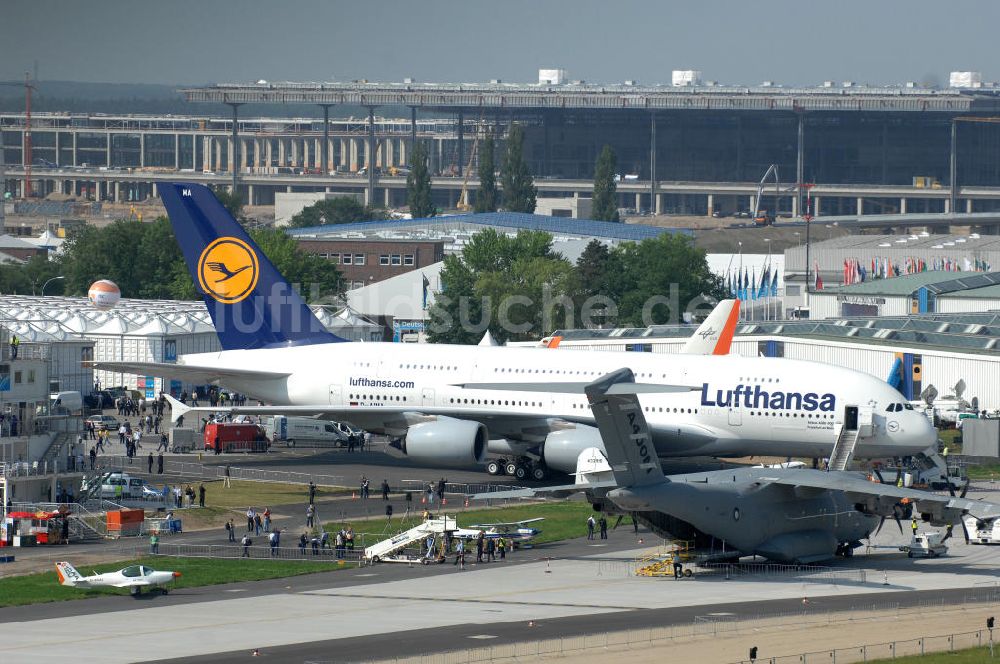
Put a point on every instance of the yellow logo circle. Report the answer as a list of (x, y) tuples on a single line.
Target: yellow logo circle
[(228, 270)]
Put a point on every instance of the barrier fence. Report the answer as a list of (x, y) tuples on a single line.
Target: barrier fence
[(199, 471), (664, 636), (260, 549)]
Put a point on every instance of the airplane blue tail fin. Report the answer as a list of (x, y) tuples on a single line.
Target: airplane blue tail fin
[(251, 304)]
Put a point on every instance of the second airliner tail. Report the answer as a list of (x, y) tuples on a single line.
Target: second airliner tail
[(251, 303)]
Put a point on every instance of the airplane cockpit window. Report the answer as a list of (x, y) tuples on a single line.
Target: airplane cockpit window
[(132, 571), (908, 406), (888, 408), (146, 571)]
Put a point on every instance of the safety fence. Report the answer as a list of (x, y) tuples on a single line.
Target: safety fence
[(260, 549), (612, 642), (194, 470)]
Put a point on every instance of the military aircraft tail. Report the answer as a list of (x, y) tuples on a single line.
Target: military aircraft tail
[(68, 576), (250, 302), (624, 431)]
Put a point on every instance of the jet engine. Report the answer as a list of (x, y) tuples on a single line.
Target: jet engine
[(563, 448), (446, 442)]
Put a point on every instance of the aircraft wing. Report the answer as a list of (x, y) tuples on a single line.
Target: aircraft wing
[(131, 583), (188, 372), (860, 487), (508, 523), (545, 491)]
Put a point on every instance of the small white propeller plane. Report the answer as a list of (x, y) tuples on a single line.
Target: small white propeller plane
[(518, 531), (133, 577)]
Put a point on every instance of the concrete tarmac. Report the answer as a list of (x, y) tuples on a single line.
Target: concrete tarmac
[(346, 616)]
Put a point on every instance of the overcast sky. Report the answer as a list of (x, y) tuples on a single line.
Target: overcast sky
[(732, 41)]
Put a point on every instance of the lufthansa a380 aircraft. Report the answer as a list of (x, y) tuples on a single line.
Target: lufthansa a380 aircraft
[(450, 405)]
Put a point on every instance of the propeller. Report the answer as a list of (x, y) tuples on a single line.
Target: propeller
[(965, 490)]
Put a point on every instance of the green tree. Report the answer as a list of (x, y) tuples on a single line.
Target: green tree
[(418, 184), (653, 282), (515, 287), (142, 258), (605, 190), (231, 200), (487, 196), (337, 210), (518, 187), (28, 279)]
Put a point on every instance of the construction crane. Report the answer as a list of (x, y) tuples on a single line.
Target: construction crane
[(463, 198), (26, 157), (761, 217)]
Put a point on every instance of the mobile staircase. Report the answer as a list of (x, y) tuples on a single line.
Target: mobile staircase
[(843, 449), (391, 549)]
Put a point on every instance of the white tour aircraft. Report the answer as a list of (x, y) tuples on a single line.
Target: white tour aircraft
[(133, 577), (450, 405)]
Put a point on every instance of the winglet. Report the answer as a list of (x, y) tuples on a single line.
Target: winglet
[(715, 335), (177, 409)]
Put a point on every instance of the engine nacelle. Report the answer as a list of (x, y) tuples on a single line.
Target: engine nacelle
[(563, 448), (446, 442)]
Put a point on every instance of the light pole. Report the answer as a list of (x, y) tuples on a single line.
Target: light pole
[(50, 281)]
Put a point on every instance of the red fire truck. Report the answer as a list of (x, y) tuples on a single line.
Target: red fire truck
[(235, 437)]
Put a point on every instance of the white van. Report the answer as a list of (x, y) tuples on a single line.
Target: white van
[(305, 431), (121, 485)]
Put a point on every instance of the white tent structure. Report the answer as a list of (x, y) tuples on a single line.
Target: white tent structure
[(71, 331)]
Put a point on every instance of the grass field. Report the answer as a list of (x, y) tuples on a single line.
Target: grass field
[(195, 572), (563, 520)]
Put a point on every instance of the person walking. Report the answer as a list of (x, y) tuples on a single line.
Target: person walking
[(231, 530), (201, 495), (603, 523), (274, 539), (226, 483), (502, 548), (460, 554), (312, 492), (491, 547), (159, 463), (14, 343), (149, 463), (480, 542), (310, 514), (250, 515), (385, 489), (93, 457), (365, 485), (590, 527), (257, 524), (267, 519), (154, 543), (246, 542)]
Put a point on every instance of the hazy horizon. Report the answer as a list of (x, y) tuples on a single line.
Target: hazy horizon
[(195, 42)]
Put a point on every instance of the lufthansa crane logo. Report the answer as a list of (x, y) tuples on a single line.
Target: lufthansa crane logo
[(228, 270)]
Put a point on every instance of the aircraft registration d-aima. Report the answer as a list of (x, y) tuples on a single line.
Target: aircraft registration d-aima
[(451, 405)]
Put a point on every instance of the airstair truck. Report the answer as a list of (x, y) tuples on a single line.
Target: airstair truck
[(391, 550)]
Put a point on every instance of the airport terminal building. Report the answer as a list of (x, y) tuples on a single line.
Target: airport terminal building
[(692, 148)]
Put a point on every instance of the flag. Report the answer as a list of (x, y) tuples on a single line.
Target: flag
[(765, 282), (426, 284), (774, 284), (819, 279)]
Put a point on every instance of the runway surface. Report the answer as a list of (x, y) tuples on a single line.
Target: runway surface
[(587, 587)]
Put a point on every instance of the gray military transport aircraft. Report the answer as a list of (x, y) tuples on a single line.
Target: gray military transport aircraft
[(795, 515)]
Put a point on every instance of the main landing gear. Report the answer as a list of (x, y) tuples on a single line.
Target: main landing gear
[(520, 468)]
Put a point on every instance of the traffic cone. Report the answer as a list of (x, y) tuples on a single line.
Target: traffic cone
[(547, 569), (354, 495)]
